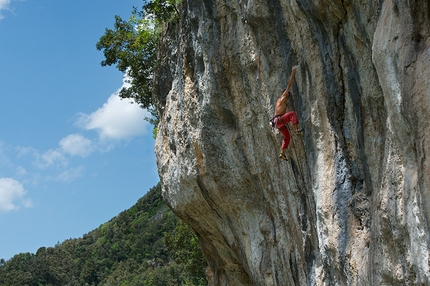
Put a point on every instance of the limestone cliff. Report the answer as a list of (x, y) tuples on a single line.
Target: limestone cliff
[(352, 204)]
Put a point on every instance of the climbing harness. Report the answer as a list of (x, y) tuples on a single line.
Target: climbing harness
[(272, 120)]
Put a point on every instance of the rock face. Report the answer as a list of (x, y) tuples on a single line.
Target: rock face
[(352, 204)]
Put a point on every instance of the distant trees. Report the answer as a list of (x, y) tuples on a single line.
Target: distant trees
[(128, 250), (184, 246)]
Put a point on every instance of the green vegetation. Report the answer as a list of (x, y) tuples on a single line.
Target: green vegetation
[(184, 246), (147, 244), (132, 46), (144, 245)]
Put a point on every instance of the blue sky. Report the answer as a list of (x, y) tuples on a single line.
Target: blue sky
[(72, 154)]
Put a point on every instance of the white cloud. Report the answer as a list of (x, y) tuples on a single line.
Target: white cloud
[(76, 145), (117, 119), (54, 163), (71, 174), (20, 171), (3, 158), (24, 151), (4, 5), (51, 158), (10, 192)]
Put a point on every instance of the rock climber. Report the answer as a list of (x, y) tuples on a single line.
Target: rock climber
[(282, 117)]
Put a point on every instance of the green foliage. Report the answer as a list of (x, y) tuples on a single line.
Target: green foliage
[(153, 121), (127, 250), (132, 46), (162, 10), (185, 249)]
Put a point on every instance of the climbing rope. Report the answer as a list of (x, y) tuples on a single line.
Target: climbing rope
[(294, 148), (259, 64)]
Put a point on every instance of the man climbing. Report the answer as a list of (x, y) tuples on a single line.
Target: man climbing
[(282, 117)]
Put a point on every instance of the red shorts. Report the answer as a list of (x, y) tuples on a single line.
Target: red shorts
[(281, 123)]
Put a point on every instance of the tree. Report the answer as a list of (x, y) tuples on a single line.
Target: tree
[(127, 250), (185, 249), (132, 47), (162, 10)]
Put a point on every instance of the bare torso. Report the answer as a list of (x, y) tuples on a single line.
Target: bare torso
[(281, 105)]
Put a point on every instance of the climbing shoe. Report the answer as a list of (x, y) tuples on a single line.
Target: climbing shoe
[(299, 131), (283, 157)]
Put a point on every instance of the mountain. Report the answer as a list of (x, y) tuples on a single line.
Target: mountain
[(130, 249), (351, 206)]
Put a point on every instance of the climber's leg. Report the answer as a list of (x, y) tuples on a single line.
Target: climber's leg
[(287, 138), (297, 129), (292, 117), (285, 142)]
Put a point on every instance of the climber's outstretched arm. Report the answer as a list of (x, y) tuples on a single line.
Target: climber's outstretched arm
[(290, 82)]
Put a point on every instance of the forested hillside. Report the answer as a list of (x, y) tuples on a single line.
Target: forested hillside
[(130, 249)]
